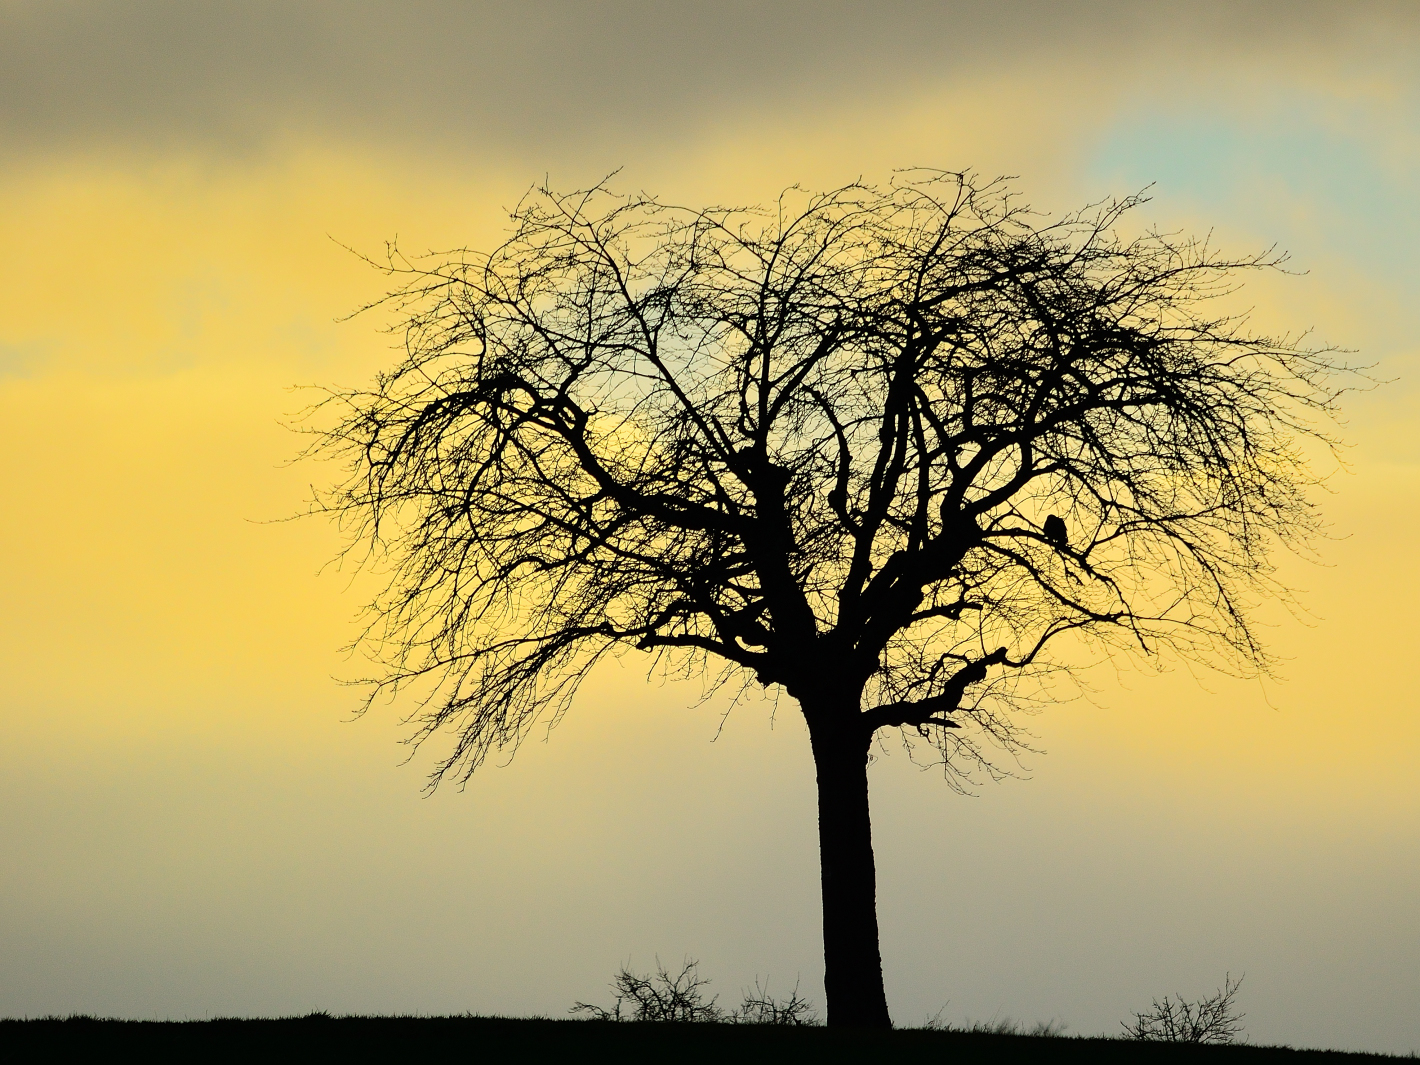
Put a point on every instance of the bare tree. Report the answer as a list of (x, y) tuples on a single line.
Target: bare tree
[(898, 452)]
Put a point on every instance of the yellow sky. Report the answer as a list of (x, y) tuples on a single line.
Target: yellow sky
[(194, 825)]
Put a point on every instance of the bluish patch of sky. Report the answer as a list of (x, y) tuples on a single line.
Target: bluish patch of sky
[(18, 360), (1308, 178), (1335, 185)]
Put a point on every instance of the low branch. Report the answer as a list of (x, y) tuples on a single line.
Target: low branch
[(948, 701)]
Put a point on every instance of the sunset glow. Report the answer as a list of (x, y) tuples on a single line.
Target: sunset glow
[(194, 824)]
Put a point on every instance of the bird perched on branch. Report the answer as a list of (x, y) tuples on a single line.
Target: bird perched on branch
[(1055, 531)]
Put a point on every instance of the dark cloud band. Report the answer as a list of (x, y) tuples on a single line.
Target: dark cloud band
[(549, 77)]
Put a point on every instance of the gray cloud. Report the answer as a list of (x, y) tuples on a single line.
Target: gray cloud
[(547, 78)]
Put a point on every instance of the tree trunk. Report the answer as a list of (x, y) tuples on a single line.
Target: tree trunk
[(853, 968)]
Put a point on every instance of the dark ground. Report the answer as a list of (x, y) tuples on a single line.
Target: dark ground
[(486, 1039)]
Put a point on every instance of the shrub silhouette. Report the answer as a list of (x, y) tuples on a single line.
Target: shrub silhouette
[(1210, 1020), (762, 1008), (663, 997)]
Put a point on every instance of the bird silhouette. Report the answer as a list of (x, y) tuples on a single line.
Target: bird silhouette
[(1055, 531)]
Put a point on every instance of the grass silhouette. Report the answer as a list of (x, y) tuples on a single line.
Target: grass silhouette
[(499, 1039)]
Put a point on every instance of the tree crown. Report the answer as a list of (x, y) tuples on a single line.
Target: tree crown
[(882, 447)]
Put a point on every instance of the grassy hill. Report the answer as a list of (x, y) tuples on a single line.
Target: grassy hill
[(501, 1040)]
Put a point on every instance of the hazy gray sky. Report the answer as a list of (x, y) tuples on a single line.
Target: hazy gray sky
[(542, 80)]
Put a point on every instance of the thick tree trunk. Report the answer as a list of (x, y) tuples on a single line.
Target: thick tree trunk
[(853, 969)]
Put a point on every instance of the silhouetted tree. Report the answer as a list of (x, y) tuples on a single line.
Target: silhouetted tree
[(895, 452)]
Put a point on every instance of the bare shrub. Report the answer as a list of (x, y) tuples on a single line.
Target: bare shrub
[(760, 1007), (658, 997), (682, 997), (1210, 1020)]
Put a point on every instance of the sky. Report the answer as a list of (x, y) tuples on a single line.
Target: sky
[(195, 824)]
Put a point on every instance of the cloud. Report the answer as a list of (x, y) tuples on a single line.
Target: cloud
[(543, 79)]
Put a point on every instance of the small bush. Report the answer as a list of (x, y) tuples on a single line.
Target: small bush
[(663, 997), (1210, 1020), (760, 1007)]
